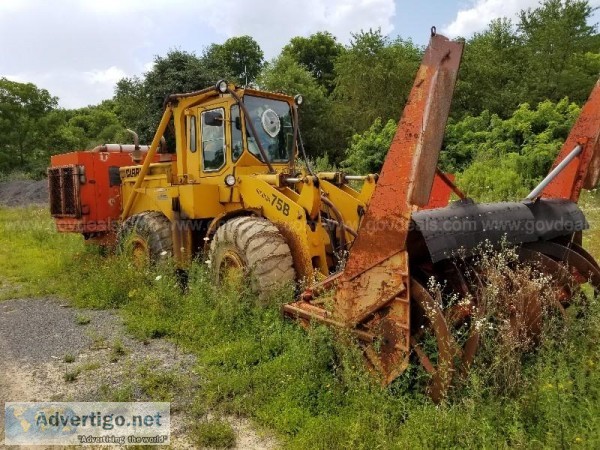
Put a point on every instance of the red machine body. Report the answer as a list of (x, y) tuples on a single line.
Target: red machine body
[(85, 191)]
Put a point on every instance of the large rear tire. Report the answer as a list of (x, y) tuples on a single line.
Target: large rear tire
[(253, 249), (146, 237)]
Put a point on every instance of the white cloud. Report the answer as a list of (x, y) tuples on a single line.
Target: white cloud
[(13, 6), (135, 6), (74, 89), (480, 13), (149, 66), (78, 49), (274, 22), (16, 78), (478, 16), (108, 76)]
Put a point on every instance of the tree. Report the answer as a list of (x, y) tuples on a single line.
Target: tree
[(561, 49), (238, 58), (178, 71), (318, 54), (79, 129), (493, 158), (552, 52), (491, 74), (373, 80), (61, 136), (139, 103), (131, 105), (22, 106)]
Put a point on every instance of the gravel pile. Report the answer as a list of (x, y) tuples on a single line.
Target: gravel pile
[(23, 192)]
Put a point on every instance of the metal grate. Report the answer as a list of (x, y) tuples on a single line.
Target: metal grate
[(63, 183)]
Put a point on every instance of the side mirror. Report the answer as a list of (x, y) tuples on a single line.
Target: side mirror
[(238, 123), (213, 118)]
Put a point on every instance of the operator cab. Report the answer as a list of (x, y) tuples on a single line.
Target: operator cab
[(232, 129)]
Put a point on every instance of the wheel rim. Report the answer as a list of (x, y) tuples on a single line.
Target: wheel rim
[(232, 268), (139, 252)]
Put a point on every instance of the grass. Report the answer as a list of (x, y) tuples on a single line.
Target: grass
[(147, 381), (17, 176), (82, 319), (213, 434), (307, 386), (98, 341), (591, 205), (32, 253), (117, 350), (90, 366), (71, 375)]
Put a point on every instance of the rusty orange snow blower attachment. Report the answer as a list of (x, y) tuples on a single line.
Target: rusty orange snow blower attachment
[(381, 295)]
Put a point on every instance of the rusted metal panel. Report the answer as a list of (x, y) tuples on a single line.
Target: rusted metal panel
[(391, 324), (372, 295), (406, 177), (584, 269), (371, 289), (434, 117), (63, 187), (373, 292), (583, 171), (440, 192)]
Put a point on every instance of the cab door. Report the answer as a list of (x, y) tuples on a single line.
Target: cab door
[(213, 148)]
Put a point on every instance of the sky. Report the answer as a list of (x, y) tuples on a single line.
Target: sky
[(79, 49)]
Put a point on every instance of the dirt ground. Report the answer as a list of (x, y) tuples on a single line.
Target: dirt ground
[(23, 192), (37, 334)]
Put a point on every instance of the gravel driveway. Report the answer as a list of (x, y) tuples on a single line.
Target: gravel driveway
[(36, 335)]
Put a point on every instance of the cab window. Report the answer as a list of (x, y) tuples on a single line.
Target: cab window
[(237, 144), (272, 120), (192, 134), (213, 139)]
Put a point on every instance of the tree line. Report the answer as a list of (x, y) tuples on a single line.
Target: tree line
[(510, 110)]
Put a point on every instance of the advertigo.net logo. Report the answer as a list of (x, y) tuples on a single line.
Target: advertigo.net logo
[(87, 423)]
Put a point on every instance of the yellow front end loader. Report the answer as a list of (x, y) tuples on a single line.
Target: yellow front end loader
[(235, 183)]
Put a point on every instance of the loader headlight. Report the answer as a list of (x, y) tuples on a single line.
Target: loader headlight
[(222, 86), (298, 99), (229, 180)]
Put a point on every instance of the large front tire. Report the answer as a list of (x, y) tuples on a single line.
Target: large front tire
[(252, 248), (146, 237)]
